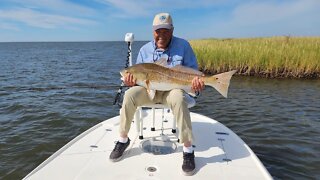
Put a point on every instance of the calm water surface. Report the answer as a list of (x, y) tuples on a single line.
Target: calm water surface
[(51, 92)]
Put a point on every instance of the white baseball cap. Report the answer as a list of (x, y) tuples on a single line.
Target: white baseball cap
[(162, 20)]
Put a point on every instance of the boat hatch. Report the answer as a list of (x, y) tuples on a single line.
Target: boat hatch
[(158, 147)]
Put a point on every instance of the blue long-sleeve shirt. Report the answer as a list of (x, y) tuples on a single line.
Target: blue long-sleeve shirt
[(179, 52)]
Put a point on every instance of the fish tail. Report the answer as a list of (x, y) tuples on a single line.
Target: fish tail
[(220, 82)]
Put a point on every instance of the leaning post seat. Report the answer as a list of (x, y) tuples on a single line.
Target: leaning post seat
[(139, 115)]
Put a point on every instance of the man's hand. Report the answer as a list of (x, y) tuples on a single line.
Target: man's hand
[(197, 84), (129, 80)]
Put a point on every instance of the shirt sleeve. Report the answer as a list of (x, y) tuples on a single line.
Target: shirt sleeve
[(189, 57), (145, 53), (139, 57)]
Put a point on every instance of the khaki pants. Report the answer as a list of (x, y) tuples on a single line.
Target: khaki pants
[(175, 99)]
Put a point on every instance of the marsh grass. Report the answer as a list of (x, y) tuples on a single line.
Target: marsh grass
[(268, 57)]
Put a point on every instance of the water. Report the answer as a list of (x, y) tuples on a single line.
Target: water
[(51, 92)]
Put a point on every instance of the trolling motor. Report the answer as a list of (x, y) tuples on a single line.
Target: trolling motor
[(129, 37)]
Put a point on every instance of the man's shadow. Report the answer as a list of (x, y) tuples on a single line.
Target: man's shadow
[(214, 143)]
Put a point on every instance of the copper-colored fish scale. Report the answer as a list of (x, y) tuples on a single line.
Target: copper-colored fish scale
[(158, 73)]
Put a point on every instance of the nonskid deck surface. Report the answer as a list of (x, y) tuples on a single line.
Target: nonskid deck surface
[(220, 154)]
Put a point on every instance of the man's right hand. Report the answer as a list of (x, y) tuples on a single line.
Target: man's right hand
[(129, 80)]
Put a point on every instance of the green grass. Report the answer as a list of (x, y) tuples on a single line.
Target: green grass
[(268, 57)]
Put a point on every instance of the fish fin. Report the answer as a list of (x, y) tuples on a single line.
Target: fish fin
[(151, 93), (220, 82), (162, 62), (188, 70)]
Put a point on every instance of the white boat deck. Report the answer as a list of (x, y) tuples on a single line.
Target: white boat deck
[(220, 154)]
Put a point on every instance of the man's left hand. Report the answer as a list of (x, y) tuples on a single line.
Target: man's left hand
[(197, 84)]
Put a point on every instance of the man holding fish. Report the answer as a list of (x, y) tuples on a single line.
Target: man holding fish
[(166, 70)]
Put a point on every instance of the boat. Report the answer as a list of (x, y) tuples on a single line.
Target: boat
[(154, 152), (220, 153)]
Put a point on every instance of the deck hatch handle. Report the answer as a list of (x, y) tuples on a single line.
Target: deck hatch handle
[(222, 133)]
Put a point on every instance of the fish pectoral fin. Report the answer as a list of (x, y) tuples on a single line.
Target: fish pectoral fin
[(151, 93)]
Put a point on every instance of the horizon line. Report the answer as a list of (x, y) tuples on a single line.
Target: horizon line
[(85, 41)]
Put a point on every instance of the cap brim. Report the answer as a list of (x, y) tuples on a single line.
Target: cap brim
[(164, 26)]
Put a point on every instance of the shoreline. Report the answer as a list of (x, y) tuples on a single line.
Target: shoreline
[(269, 57), (263, 74)]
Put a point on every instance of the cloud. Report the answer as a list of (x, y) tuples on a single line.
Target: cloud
[(8, 26), (41, 20), (141, 8), (125, 8), (209, 18), (268, 12), (267, 18), (45, 14), (55, 6)]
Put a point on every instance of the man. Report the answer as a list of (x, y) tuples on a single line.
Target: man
[(177, 51)]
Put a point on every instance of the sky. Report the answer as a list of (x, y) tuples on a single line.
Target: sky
[(110, 20)]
